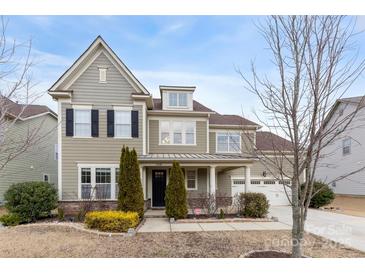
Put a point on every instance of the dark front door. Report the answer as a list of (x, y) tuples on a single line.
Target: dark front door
[(158, 188)]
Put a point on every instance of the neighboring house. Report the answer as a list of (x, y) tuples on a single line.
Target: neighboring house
[(35, 128), (347, 152), (102, 106)]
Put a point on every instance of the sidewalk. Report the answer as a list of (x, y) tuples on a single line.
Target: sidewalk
[(163, 225)]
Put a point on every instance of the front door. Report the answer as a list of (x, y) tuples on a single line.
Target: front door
[(158, 188)]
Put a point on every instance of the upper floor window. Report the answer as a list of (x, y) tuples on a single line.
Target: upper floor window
[(122, 123), (177, 132), (346, 146), (228, 142), (82, 122), (178, 99), (102, 75)]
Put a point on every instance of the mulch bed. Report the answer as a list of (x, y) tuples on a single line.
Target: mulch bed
[(268, 254)]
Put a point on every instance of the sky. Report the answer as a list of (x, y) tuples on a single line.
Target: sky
[(203, 51)]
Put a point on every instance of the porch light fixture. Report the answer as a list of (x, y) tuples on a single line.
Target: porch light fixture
[(264, 173)]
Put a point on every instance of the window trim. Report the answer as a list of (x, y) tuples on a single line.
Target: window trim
[(81, 107), (228, 133), (196, 178), (93, 168), (46, 174), (343, 146), (178, 106), (123, 109), (171, 132)]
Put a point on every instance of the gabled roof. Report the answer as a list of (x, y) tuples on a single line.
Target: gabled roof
[(96, 46), (267, 141), (23, 111), (236, 120)]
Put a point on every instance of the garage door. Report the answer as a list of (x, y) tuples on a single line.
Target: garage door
[(274, 190)]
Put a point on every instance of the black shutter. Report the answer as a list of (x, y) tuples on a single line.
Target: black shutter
[(69, 122), (95, 123), (110, 123), (134, 117)]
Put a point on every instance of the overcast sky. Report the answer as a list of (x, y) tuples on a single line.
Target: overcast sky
[(161, 50)]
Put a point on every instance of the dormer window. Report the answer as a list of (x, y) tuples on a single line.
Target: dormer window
[(178, 99), (102, 75)]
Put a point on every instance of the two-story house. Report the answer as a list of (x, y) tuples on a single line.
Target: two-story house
[(102, 106), (342, 162), (28, 144)]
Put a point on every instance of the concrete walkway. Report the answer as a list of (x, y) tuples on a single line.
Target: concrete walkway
[(344, 229), (163, 225)]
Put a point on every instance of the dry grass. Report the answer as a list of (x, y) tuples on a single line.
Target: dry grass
[(348, 205), (53, 241)]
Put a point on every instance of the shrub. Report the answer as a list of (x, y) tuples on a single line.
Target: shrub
[(10, 219), (31, 200), (111, 221), (324, 195), (255, 205), (221, 214), (130, 196), (60, 214), (175, 195)]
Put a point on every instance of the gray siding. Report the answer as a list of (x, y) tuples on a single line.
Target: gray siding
[(201, 140), (38, 160), (246, 143), (98, 149), (87, 89)]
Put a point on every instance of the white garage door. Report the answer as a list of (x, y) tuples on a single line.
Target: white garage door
[(274, 190)]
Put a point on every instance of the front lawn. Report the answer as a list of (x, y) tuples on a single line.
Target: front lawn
[(54, 241)]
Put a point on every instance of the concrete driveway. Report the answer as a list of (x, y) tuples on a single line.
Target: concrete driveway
[(344, 229)]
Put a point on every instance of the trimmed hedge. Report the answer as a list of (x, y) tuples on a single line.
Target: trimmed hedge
[(31, 200), (10, 219), (111, 221), (324, 195), (255, 205)]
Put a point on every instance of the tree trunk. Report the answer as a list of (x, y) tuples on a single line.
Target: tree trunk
[(297, 234)]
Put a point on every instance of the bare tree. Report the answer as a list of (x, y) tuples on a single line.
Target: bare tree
[(316, 62), (16, 85)]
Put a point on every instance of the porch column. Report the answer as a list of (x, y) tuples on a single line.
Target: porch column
[(212, 178), (247, 178), (142, 171)]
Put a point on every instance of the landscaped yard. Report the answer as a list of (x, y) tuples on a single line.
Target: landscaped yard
[(54, 241), (349, 205)]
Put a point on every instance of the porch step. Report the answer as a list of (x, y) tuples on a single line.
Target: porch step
[(155, 213)]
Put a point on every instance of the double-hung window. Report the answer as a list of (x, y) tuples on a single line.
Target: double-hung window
[(191, 179), (82, 122), (346, 146), (122, 123), (228, 142), (86, 183), (103, 183), (178, 99), (177, 132)]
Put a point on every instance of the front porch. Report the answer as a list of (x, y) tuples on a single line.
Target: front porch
[(204, 174)]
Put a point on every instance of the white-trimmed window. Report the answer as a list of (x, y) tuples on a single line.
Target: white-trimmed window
[(191, 179), (102, 75), (346, 146), (86, 183), (228, 142), (46, 178), (122, 123), (103, 183), (178, 99), (177, 133), (82, 122)]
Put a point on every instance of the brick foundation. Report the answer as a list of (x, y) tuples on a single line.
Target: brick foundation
[(73, 208)]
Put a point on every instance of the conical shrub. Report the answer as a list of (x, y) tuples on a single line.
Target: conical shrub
[(175, 196)]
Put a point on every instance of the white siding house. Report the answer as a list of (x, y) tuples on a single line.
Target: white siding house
[(346, 153)]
